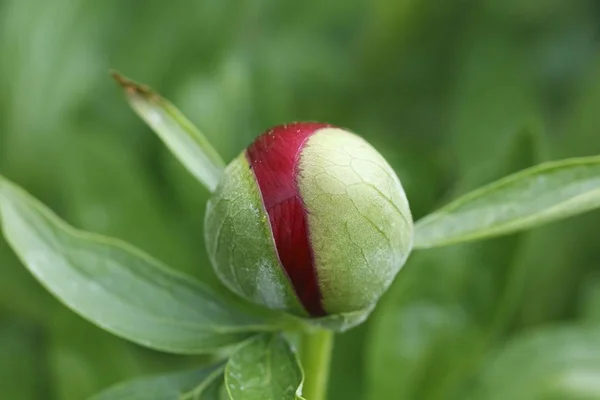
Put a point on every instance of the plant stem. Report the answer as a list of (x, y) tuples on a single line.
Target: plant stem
[(315, 355)]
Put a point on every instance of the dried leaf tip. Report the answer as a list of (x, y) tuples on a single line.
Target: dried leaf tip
[(133, 88)]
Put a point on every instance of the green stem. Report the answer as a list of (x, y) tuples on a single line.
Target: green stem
[(315, 355)]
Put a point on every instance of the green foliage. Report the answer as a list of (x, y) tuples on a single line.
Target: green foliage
[(265, 368), (440, 88), (524, 200), (179, 134), (116, 286), (200, 384)]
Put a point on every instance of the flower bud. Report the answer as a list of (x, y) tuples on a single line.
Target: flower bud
[(309, 219)]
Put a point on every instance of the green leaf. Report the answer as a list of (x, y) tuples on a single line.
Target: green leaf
[(181, 136), (529, 198), (199, 384), (116, 286), (19, 294), (555, 363), (264, 369)]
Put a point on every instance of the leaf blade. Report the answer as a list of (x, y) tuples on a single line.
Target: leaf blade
[(264, 369), (534, 196), (173, 386), (184, 140), (116, 286)]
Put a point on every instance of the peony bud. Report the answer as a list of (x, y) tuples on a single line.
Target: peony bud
[(309, 219)]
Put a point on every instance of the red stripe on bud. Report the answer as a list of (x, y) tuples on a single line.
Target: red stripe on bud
[(273, 157)]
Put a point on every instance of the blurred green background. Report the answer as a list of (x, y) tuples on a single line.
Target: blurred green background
[(455, 93)]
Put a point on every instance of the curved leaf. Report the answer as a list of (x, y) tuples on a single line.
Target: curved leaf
[(264, 369), (532, 197), (556, 363), (116, 286), (199, 384), (176, 131)]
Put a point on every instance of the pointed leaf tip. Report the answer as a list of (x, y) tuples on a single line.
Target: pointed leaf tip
[(131, 87), (180, 135)]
